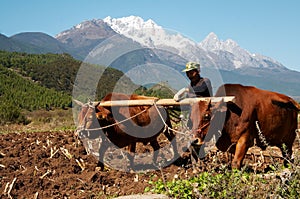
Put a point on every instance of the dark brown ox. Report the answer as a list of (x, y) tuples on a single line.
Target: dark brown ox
[(125, 126), (269, 118)]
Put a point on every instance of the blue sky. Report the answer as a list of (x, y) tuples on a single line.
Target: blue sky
[(267, 27)]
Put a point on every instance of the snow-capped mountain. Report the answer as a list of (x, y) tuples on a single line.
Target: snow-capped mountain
[(147, 33), (93, 29), (162, 46), (83, 37), (241, 57), (141, 42), (211, 52), (151, 35)]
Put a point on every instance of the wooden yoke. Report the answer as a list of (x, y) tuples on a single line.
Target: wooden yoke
[(165, 102)]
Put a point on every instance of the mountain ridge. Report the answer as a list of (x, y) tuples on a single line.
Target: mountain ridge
[(170, 48), (140, 31)]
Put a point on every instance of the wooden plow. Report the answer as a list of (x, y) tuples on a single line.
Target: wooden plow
[(165, 102)]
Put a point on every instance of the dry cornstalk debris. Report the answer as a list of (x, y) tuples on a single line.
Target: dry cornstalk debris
[(48, 142), (81, 164), (9, 186), (6, 186), (45, 174), (53, 153), (66, 153), (36, 195), (81, 180), (2, 154)]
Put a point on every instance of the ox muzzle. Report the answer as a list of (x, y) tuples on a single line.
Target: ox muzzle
[(198, 135)]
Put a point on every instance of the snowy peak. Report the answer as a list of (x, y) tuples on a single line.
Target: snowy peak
[(126, 24), (230, 43), (135, 28), (149, 34), (93, 29), (212, 43)]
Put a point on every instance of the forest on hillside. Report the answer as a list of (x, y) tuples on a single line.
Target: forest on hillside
[(18, 94), (30, 82)]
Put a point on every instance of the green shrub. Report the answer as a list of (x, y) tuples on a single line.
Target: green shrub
[(230, 184)]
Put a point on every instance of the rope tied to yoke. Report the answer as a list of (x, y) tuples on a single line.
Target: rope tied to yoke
[(165, 124), (166, 127), (116, 123)]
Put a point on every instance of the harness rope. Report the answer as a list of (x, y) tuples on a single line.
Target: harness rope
[(166, 125), (120, 122), (116, 123)]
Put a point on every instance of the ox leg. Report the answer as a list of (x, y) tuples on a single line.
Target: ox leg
[(156, 148), (102, 150), (240, 151), (132, 148), (172, 138)]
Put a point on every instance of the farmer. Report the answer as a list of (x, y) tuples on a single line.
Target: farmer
[(199, 86)]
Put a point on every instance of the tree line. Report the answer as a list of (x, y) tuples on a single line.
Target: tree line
[(30, 82)]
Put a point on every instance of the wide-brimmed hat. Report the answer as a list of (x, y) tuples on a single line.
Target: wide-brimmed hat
[(191, 66)]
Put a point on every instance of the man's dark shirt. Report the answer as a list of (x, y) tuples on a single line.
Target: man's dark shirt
[(202, 88)]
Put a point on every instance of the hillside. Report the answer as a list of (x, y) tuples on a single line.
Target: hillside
[(40, 42), (18, 94), (31, 82), (56, 71)]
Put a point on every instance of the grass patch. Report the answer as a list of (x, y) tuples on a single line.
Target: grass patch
[(43, 120), (231, 184)]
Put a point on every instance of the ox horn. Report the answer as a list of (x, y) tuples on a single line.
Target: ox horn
[(96, 104), (92, 103), (78, 102)]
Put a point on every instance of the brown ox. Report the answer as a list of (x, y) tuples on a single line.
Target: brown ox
[(268, 117), (125, 126)]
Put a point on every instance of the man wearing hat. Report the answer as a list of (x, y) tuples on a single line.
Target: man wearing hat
[(199, 86)]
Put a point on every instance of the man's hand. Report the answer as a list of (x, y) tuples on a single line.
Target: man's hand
[(181, 94)]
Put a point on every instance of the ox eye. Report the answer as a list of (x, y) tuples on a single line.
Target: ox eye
[(206, 117)]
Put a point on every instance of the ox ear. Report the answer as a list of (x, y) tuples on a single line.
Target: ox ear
[(78, 102), (209, 105), (220, 106)]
